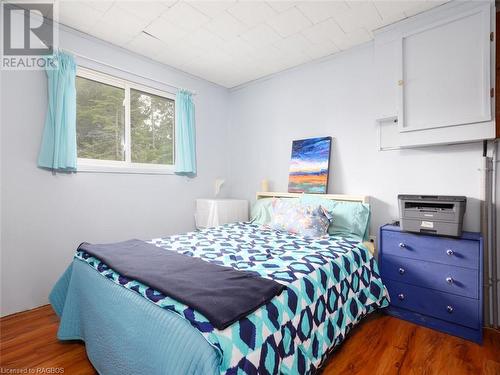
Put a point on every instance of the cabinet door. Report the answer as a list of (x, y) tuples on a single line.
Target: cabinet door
[(445, 72), (387, 63)]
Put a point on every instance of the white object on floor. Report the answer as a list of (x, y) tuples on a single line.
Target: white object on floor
[(212, 212)]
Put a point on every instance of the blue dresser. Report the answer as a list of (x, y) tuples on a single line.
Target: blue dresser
[(434, 281)]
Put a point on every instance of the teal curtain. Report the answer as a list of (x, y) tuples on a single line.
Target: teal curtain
[(185, 135), (58, 150)]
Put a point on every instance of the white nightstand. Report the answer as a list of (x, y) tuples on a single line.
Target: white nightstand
[(212, 212)]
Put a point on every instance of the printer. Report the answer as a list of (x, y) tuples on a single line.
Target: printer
[(432, 214)]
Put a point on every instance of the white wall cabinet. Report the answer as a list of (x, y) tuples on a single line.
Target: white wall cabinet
[(386, 78), (434, 74)]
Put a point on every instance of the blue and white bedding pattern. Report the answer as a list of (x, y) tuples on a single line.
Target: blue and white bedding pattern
[(332, 283)]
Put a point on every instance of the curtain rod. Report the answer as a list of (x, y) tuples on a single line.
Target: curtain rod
[(123, 70)]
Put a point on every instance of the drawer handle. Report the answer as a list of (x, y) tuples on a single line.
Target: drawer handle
[(402, 245), (401, 271), (401, 296), (450, 252), (449, 309), (449, 280)]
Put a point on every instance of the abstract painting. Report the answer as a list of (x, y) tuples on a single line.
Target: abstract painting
[(309, 165)]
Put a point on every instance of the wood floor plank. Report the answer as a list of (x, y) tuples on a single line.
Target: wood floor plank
[(381, 345)]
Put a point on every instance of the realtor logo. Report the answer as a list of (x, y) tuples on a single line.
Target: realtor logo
[(28, 35)]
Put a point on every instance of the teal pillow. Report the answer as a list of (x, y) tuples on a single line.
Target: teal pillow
[(350, 219), (262, 210)]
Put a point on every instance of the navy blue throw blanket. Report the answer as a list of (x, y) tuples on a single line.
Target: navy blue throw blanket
[(222, 294)]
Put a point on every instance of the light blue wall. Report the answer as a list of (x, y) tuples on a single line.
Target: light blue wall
[(335, 97), (45, 217), (243, 136)]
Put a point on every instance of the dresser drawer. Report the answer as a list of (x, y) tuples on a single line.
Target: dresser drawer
[(445, 306), (443, 277), (455, 252)]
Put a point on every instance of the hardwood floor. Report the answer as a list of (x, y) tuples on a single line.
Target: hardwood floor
[(379, 345)]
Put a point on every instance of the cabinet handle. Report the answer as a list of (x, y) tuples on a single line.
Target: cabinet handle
[(450, 252), (401, 270), (401, 296), (402, 245), (401, 82), (449, 280), (449, 309)]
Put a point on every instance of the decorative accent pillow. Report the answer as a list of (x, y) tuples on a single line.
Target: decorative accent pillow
[(350, 219), (307, 221)]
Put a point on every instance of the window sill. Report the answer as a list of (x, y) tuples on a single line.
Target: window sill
[(108, 166)]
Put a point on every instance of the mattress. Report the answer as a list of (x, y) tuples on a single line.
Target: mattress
[(332, 283)]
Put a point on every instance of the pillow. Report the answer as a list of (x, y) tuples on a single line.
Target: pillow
[(306, 221), (350, 219), (262, 211)]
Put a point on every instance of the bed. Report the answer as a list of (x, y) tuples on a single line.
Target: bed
[(129, 328)]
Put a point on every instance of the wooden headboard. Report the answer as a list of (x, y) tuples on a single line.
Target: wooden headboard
[(335, 197)]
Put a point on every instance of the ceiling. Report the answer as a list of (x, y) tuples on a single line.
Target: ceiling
[(234, 42)]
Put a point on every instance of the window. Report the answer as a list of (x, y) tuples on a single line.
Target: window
[(152, 128), (100, 120), (122, 126)]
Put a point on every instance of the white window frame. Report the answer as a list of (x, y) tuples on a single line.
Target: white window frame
[(127, 166)]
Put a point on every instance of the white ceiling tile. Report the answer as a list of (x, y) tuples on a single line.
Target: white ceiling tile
[(146, 10), (281, 5), (202, 38), (226, 26), (391, 11), (352, 39), (172, 62), (289, 22), (271, 69), (360, 14), (123, 21), (416, 7), (252, 12), (261, 35), (238, 47), (101, 6), (318, 11), (146, 45), (242, 63), (288, 56), (246, 77), (203, 68), (268, 53), (217, 57), (270, 59), (388, 9), (231, 42), (316, 51), (178, 55), (324, 32), (292, 44), (78, 15), (211, 8), (185, 16), (389, 19), (107, 32), (294, 59), (166, 31)]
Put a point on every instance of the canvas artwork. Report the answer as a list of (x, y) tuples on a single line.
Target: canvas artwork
[(309, 165)]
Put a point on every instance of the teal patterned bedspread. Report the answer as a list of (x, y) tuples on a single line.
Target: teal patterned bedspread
[(332, 283)]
